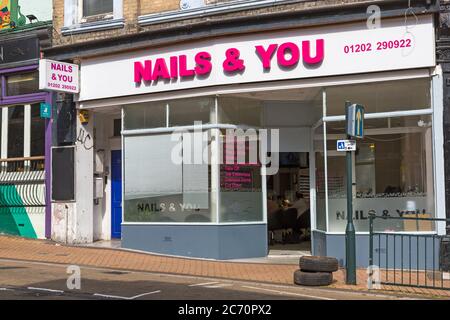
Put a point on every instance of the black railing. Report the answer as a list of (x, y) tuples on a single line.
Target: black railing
[(414, 259)]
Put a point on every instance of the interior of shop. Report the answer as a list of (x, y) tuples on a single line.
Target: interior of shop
[(293, 113)]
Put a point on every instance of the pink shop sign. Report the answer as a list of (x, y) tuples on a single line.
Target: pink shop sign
[(58, 76), (285, 55), (303, 53)]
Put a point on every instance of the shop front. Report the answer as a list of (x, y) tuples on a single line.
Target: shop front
[(226, 148), (25, 141)]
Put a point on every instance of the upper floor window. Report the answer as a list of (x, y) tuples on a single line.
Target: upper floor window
[(92, 15), (97, 8)]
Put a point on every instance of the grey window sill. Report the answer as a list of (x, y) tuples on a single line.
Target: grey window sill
[(93, 26), (209, 10)]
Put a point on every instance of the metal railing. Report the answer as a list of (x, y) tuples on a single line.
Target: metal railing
[(416, 259), (26, 164)]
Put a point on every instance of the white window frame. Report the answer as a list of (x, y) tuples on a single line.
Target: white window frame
[(103, 16), (76, 22)]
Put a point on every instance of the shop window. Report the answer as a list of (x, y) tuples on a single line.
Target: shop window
[(380, 97), (240, 180), (185, 112), (19, 84), (37, 132), (163, 181), (319, 155), (98, 8), (393, 170), (145, 116), (241, 111)]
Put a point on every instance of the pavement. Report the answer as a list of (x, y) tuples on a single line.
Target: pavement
[(20, 250)]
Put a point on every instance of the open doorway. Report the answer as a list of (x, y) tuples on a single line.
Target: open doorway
[(288, 205), (293, 113)]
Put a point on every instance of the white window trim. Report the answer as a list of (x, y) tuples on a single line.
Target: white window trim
[(208, 10), (76, 23)]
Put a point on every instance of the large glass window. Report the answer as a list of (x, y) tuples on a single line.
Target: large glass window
[(145, 115), (184, 112), (393, 169), (381, 96), (24, 83), (165, 181), (240, 178), (241, 111), (321, 222)]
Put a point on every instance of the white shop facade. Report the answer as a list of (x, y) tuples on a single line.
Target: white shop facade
[(146, 105)]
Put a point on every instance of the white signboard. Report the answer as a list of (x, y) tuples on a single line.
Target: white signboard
[(346, 145), (290, 54), (58, 76)]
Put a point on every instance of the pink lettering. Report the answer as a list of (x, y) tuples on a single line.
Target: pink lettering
[(160, 70), (306, 52), (266, 55), (143, 72), (285, 48), (174, 67), (203, 63), (184, 71)]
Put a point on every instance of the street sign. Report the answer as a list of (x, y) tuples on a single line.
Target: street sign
[(46, 111), (355, 121), (346, 145)]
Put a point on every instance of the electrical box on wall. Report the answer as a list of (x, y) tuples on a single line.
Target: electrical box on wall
[(99, 162), (98, 187)]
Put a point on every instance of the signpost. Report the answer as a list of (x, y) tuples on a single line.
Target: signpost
[(355, 129)]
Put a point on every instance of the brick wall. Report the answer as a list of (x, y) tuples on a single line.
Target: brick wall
[(132, 9)]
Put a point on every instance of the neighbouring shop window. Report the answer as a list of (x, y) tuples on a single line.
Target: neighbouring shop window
[(393, 168), (25, 83), (185, 112), (16, 137), (15, 131), (145, 115), (37, 132), (165, 181), (97, 7), (240, 179), (380, 96)]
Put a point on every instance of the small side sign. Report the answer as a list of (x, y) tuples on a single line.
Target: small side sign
[(346, 145), (46, 111)]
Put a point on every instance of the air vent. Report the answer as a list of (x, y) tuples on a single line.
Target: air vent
[(191, 4)]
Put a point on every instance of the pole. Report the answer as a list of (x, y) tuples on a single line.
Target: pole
[(350, 241)]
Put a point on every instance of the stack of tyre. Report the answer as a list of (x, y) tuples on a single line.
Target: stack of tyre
[(316, 271)]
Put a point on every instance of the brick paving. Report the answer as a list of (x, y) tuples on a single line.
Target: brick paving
[(16, 248)]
